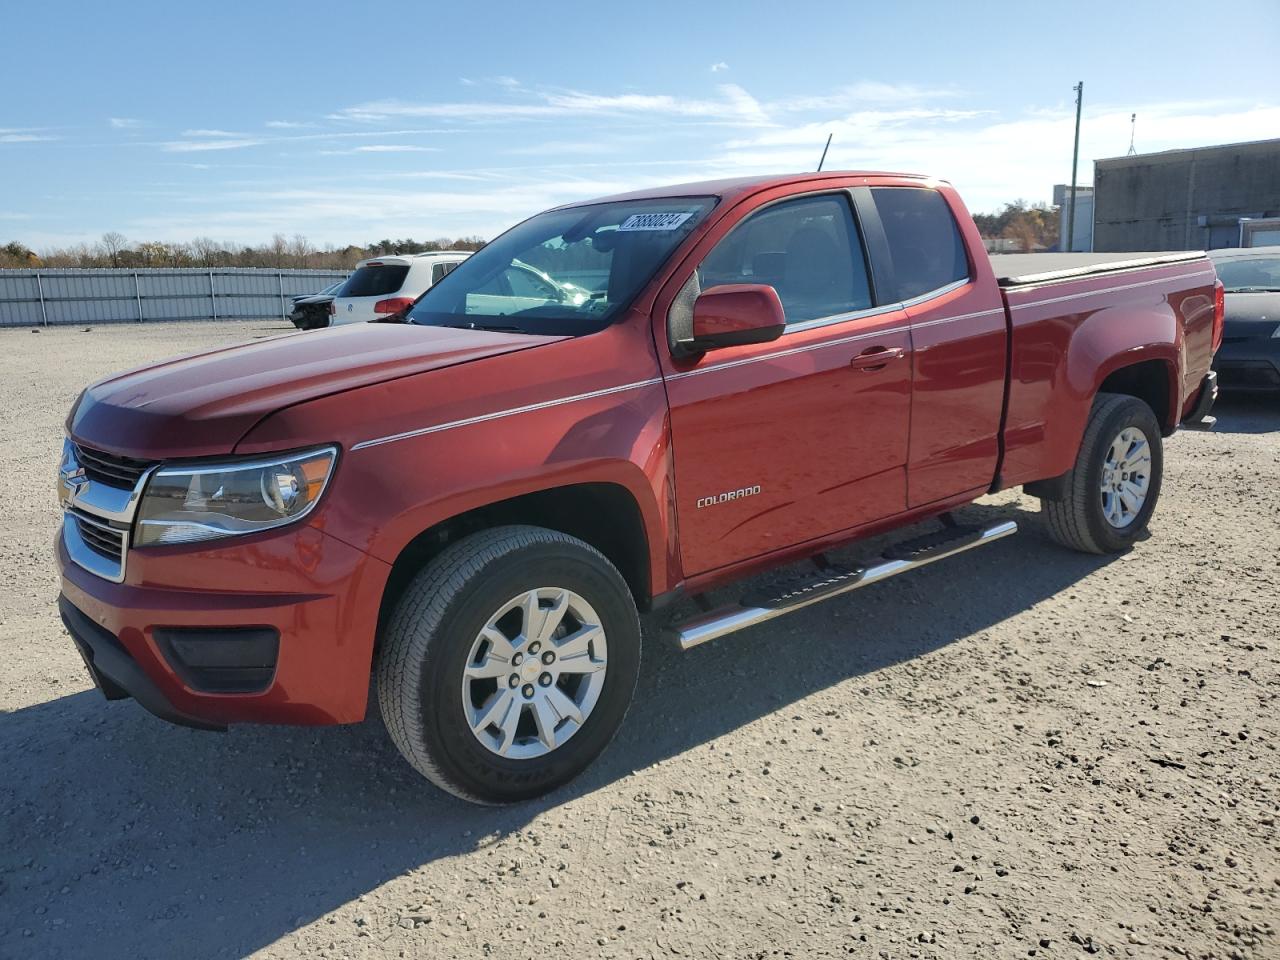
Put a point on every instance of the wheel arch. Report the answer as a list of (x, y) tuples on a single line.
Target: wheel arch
[(1153, 380), (605, 514)]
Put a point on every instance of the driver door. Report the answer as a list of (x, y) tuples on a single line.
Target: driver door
[(780, 443)]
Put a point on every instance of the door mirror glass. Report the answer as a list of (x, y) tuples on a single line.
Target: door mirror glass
[(734, 314)]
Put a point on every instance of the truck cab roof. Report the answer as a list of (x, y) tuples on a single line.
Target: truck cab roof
[(740, 186)]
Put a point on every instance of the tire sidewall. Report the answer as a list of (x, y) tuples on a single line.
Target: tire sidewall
[(1133, 413), (479, 771)]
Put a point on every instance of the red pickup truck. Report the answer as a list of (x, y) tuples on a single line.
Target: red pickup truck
[(471, 505)]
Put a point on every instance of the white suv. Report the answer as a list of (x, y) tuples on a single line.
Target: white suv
[(385, 285)]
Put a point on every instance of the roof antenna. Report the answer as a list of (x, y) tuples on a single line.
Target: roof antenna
[(824, 153), (1133, 132)]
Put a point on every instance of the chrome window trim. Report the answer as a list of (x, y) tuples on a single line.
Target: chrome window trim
[(936, 292), (819, 322)]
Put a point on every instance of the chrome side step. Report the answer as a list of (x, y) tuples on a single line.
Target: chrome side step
[(729, 619)]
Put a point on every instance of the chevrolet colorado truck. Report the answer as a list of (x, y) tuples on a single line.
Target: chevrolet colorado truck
[(469, 507)]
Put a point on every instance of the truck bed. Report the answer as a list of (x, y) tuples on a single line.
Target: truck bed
[(1022, 269)]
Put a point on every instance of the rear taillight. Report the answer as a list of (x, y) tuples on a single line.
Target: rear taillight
[(393, 305), (1219, 313)]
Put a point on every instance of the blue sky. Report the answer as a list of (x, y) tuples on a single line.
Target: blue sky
[(352, 122)]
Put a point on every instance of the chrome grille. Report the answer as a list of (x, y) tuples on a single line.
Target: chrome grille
[(100, 536), (111, 469)]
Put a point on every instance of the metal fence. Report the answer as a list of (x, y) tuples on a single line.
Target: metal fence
[(88, 296)]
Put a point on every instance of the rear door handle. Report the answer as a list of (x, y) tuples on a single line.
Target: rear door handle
[(876, 358)]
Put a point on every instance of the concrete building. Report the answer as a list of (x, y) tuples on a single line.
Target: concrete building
[(1199, 199), (1082, 241)]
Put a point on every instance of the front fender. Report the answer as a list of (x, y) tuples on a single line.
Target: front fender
[(383, 496)]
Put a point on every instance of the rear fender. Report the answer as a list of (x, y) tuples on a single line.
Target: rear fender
[(1106, 342)]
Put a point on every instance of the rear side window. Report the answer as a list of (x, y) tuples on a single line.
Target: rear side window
[(924, 242), (441, 270), (807, 249), (375, 281)]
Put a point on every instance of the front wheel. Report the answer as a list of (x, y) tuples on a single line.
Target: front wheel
[(509, 663), (1105, 501)]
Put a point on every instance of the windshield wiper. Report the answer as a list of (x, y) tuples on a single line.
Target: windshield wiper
[(496, 327)]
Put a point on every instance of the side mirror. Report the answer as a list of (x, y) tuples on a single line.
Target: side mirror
[(734, 314)]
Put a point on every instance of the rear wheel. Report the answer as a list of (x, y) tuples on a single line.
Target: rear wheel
[(1105, 501), (509, 663)]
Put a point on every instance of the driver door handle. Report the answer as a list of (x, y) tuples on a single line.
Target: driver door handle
[(876, 358)]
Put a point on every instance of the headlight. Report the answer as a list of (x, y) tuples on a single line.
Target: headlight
[(206, 501)]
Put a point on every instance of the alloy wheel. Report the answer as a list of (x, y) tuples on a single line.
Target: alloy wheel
[(534, 673)]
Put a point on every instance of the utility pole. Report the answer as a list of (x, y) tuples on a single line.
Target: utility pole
[(1075, 161)]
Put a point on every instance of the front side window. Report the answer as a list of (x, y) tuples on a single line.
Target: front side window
[(926, 247), (806, 249), (564, 272)]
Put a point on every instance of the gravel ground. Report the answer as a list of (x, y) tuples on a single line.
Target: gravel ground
[(1026, 752)]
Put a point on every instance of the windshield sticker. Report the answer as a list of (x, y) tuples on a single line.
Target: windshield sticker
[(654, 221)]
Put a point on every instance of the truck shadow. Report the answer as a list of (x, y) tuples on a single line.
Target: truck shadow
[(1247, 413), (123, 837)]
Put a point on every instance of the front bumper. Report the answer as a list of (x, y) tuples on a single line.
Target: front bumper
[(1249, 365), (315, 596)]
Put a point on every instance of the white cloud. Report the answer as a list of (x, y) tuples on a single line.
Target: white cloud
[(124, 123), (287, 125), (735, 105), (719, 66), (212, 133), (565, 148), (202, 139), (394, 148), (989, 159), (195, 146), (383, 148), (24, 138), (858, 95)]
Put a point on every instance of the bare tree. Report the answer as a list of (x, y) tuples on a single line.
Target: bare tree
[(279, 250), (204, 252), (301, 251), (113, 244), (114, 250)]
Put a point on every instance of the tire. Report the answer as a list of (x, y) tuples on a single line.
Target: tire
[(1077, 511), (430, 701)]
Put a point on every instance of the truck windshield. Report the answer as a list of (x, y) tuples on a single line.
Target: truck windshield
[(564, 272)]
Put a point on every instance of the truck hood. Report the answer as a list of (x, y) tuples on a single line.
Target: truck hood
[(201, 405), (1251, 316)]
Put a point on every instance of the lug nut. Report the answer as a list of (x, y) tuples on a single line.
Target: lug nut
[(545, 679), (528, 691), (517, 659), (533, 647), (548, 656), (513, 681)]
